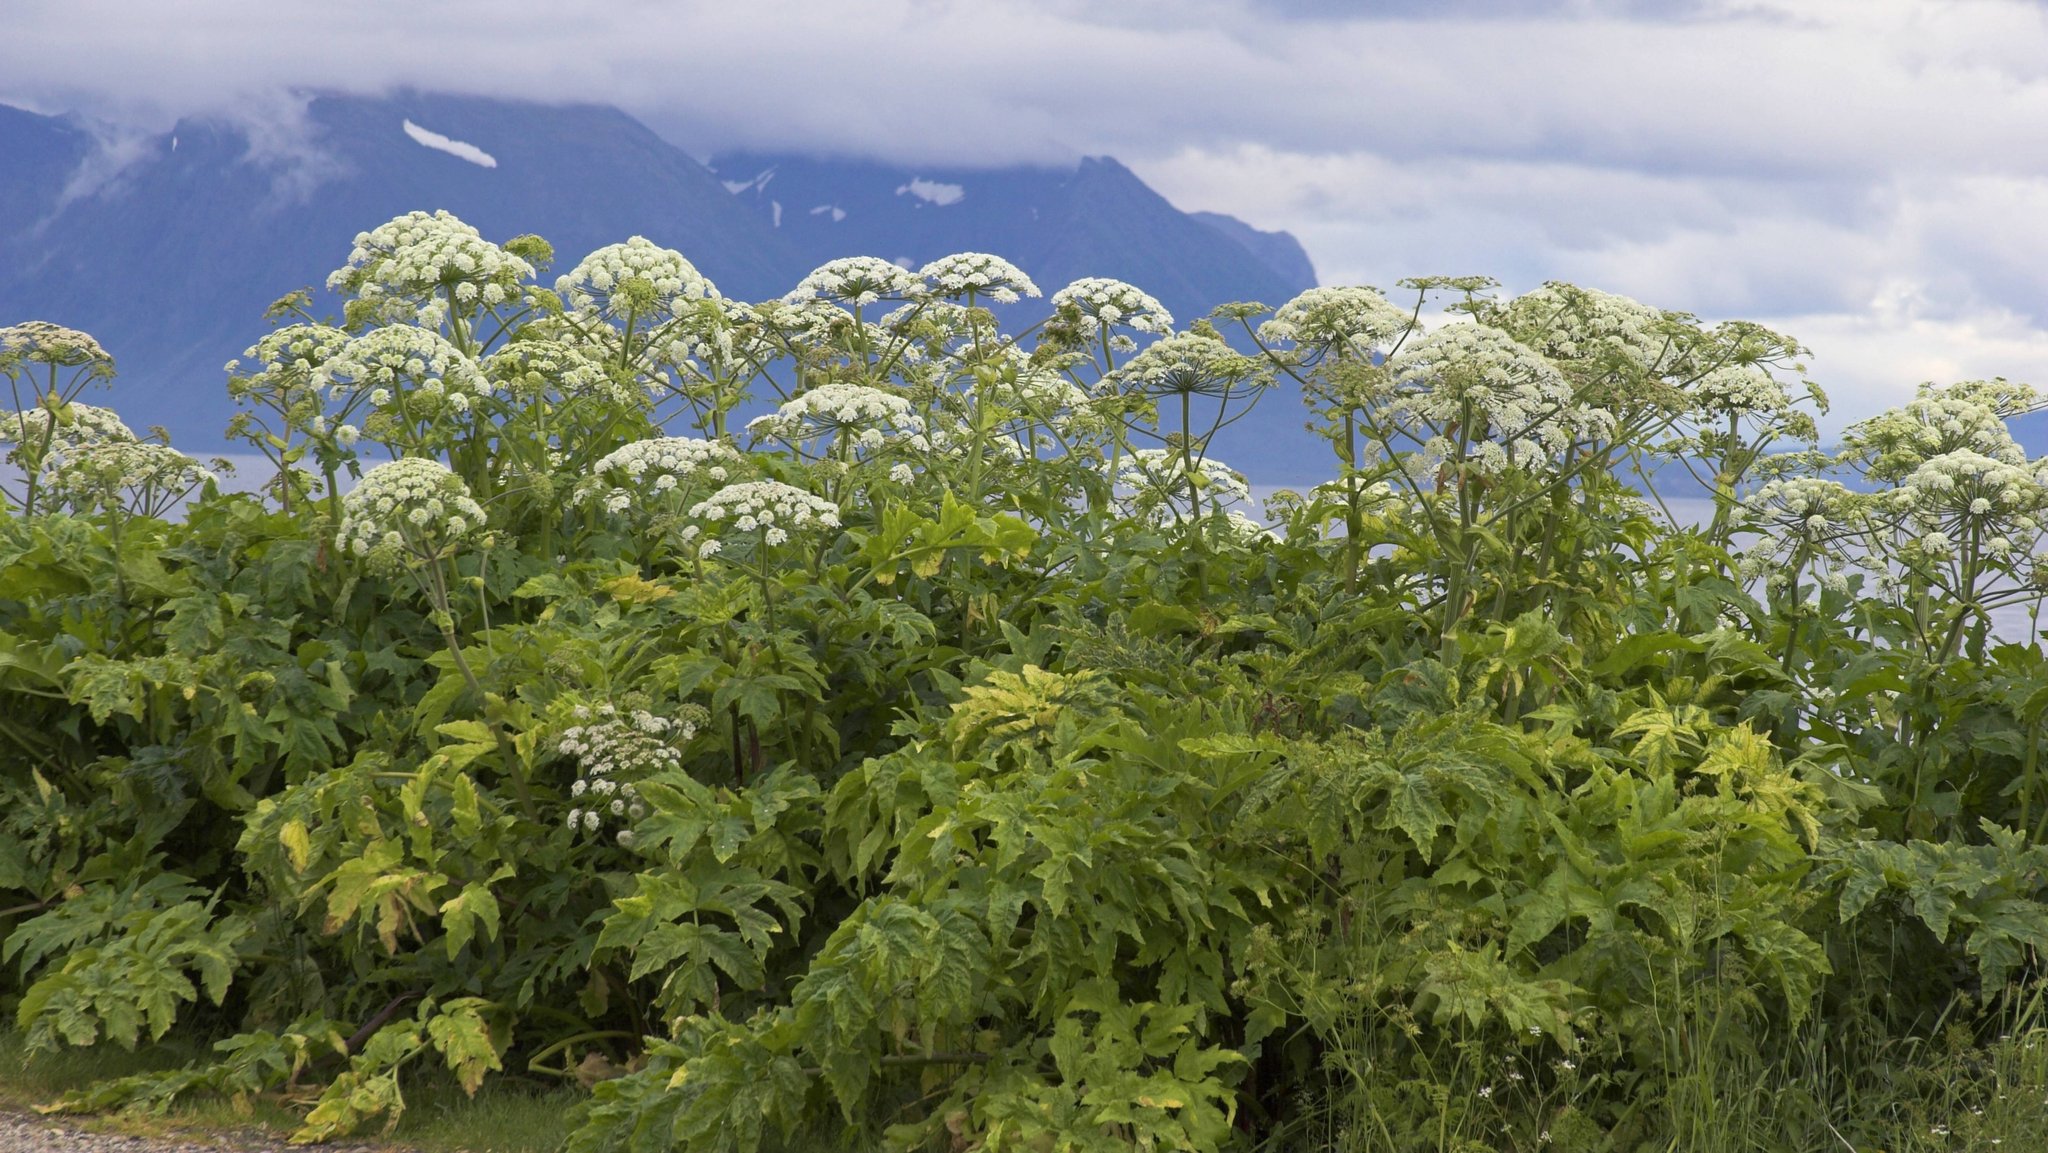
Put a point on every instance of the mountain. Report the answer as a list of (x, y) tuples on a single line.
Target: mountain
[(170, 255), (172, 262), (1279, 251), (1057, 224)]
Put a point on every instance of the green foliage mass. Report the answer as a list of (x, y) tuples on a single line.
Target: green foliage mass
[(946, 761)]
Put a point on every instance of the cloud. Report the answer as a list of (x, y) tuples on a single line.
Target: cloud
[(456, 148), (1820, 159)]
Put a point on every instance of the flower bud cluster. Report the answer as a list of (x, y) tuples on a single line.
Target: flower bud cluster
[(408, 509), (638, 278), (769, 507), (613, 748), (1354, 320), (404, 267), (658, 467), (979, 274)]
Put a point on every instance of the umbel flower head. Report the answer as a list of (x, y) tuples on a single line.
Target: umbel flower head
[(39, 342), (864, 416), (1569, 323), (638, 278), (1158, 483), (1936, 422), (768, 507), (533, 368), (84, 458), (1740, 389), (1801, 525), (399, 361), (1356, 321), (659, 467), (406, 510), (613, 748), (1520, 408), (67, 425), (140, 476), (857, 280), (1189, 363), (410, 267), (1096, 308), (285, 359), (977, 274)]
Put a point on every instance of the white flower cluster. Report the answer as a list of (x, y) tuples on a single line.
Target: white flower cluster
[(74, 425), (405, 265), (532, 369), (715, 338), (1567, 322), (1521, 409), (1966, 496), (868, 417), (978, 274), (659, 466), (1188, 362), (1100, 305), (1936, 422), (290, 354), (1802, 522), (857, 280), (1740, 389), (401, 359), (1353, 320), (2005, 397), (770, 507), (638, 278), (410, 508), (610, 745), (1158, 482), (41, 342), (139, 475)]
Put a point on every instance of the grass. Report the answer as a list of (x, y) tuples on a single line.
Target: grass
[(502, 1118)]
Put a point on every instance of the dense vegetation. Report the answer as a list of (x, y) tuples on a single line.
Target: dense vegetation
[(946, 760)]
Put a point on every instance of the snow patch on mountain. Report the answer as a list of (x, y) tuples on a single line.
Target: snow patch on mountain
[(456, 148), (759, 183), (838, 213), (933, 191)]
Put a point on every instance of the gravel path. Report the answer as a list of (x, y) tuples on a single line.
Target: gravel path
[(29, 1133)]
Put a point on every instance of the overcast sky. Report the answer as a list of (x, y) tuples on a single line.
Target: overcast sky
[(1869, 175)]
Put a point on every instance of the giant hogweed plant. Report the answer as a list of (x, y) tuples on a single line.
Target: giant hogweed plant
[(839, 721)]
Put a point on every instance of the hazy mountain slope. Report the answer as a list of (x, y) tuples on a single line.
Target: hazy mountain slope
[(172, 259), (1280, 251), (1096, 219), (172, 264)]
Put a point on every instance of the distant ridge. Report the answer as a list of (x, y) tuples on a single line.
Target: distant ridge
[(171, 258)]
